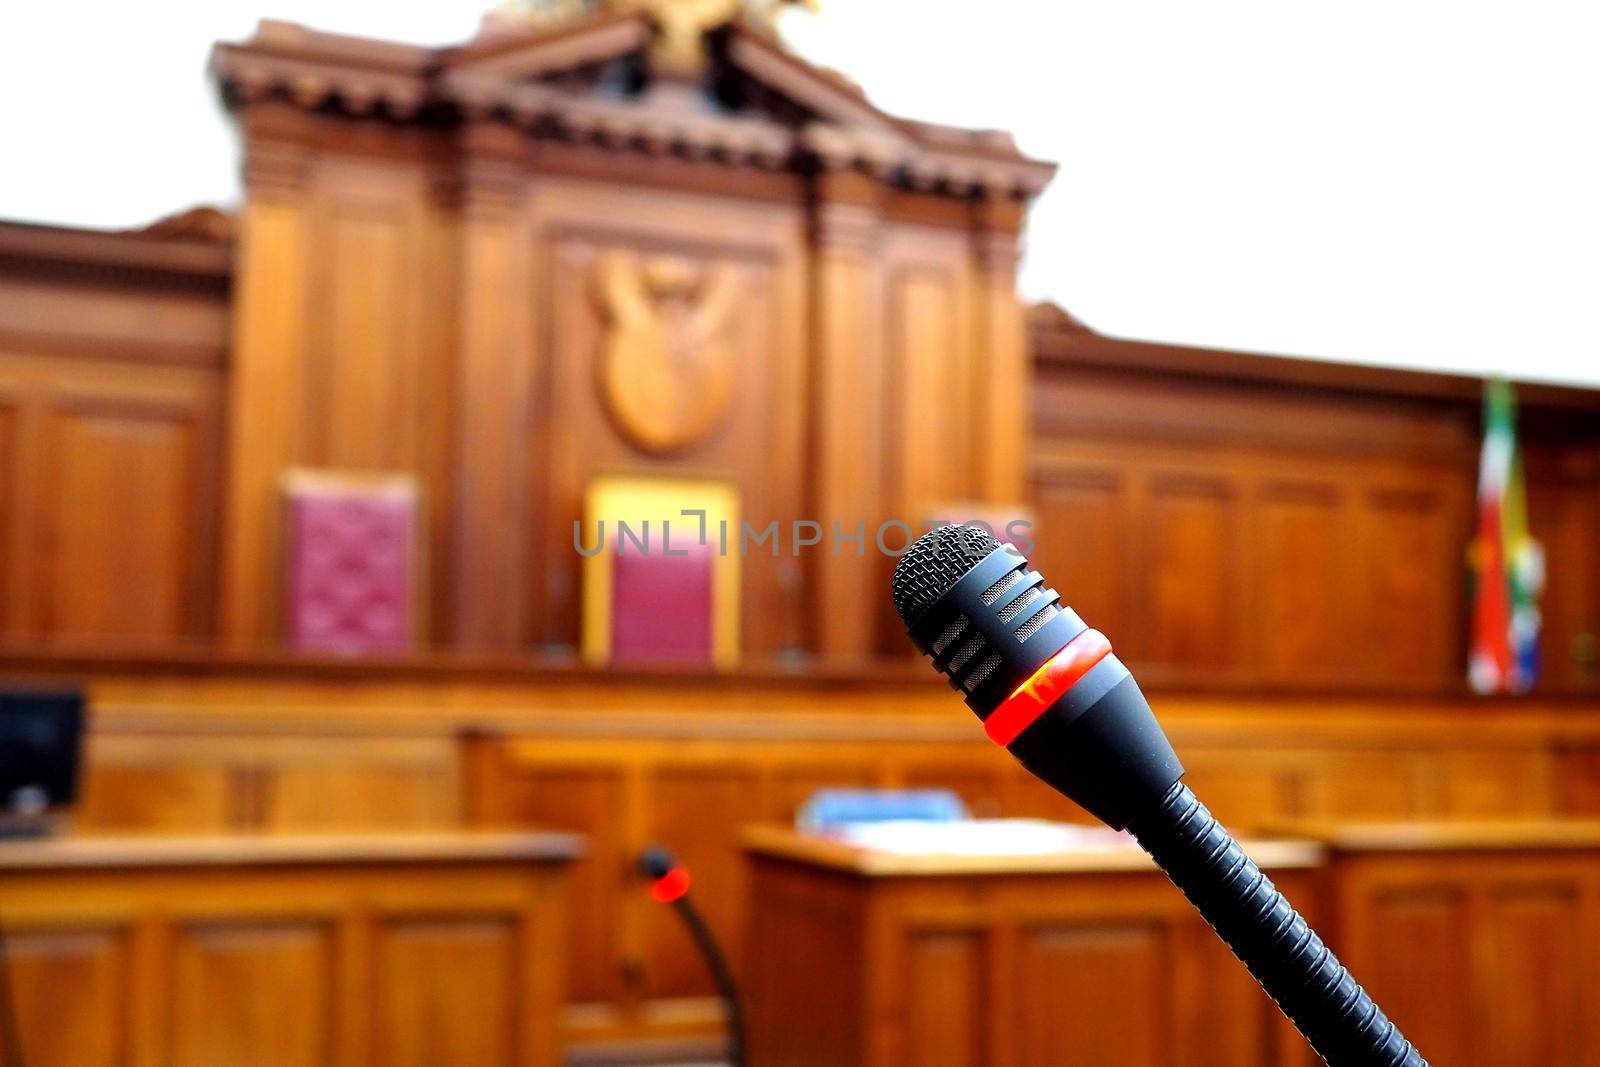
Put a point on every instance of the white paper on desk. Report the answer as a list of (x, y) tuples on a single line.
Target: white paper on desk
[(979, 837)]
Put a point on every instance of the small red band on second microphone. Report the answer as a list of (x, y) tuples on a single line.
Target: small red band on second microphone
[(1058, 674), (670, 886)]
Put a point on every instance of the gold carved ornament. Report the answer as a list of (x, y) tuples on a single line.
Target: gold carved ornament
[(666, 368), (683, 23)]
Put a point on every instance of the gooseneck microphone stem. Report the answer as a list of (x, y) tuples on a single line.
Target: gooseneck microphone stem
[(1048, 689), (670, 885), (1269, 937), (721, 976), (10, 1033)]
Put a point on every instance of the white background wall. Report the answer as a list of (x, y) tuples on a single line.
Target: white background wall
[(1407, 181)]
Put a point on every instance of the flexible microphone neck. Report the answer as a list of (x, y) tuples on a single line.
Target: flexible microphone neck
[(669, 884), (1049, 690)]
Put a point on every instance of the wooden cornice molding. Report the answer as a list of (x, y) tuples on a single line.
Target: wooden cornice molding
[(796, 117), (203, 222), (1047, 319), (528, 53), (1063, 344), (314, 70), (545, 112), (825, 93), (154, 257)]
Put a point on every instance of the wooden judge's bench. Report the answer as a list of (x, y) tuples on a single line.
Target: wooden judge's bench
[(645, 244), (287, 949)]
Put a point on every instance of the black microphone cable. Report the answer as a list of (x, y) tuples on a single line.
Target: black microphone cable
[(1048, 689), (669, 884), (10, 1034)]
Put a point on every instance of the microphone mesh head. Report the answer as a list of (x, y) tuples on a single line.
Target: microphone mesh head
[(936, 562)]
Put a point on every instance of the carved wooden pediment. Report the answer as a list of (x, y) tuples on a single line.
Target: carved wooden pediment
[(601, 79)]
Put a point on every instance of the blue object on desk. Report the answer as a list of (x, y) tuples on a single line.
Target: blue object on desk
[(828, 808)]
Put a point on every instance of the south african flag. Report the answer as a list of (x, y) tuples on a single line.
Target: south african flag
[(1507, 563)]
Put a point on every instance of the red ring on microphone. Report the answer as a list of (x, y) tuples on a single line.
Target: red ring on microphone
[(670, 886), (1047, 685)]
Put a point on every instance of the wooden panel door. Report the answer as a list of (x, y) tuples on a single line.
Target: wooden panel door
[(1189, 559), (108, 480), (445, 991), (1530, 929), (928, 332), (1301, 537), (1406, 947), (91, 1026), (1093, 994), (1413, 556), (1563, 516), (1084, 530), (1482, 957), (947, 980), (252, 993)]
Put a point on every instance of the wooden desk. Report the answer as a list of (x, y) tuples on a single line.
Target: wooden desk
[(288, 950), (1084, 957), (1481, 940)]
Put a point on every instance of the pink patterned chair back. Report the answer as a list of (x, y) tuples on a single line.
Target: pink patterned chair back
[(351, 563)]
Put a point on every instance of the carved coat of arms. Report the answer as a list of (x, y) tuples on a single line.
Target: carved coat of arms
[(666, 368)]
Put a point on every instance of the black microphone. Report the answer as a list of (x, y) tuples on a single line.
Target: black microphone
[(669, 884), (1049, 690)]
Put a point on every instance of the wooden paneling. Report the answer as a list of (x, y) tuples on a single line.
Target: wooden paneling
[(110, 488), (222, 779), (589, 239), (698, 807), (636, 975), (947, 976), (824, 925), (631, 760), (142, 466), (1338, 538), (297, 951), (1412, 559), (929, 336), (1563, 514), (342, 353), (1190, 549), (91, 1025), (633, 977), (1084, 527), (1531, 930), (248, 993), (1002, 370), (1424, 982), (494, 352), (850, 443), (589, 799), (998, 966), (1249, 568), (1093, 993), (1477, 941), (1301, 531), (421, 1021), (428, 297)]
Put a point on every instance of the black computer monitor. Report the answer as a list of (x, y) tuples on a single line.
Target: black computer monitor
[(40, 735)]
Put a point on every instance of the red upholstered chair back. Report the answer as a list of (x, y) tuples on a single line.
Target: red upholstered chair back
[(661, 605), (350, 562)]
